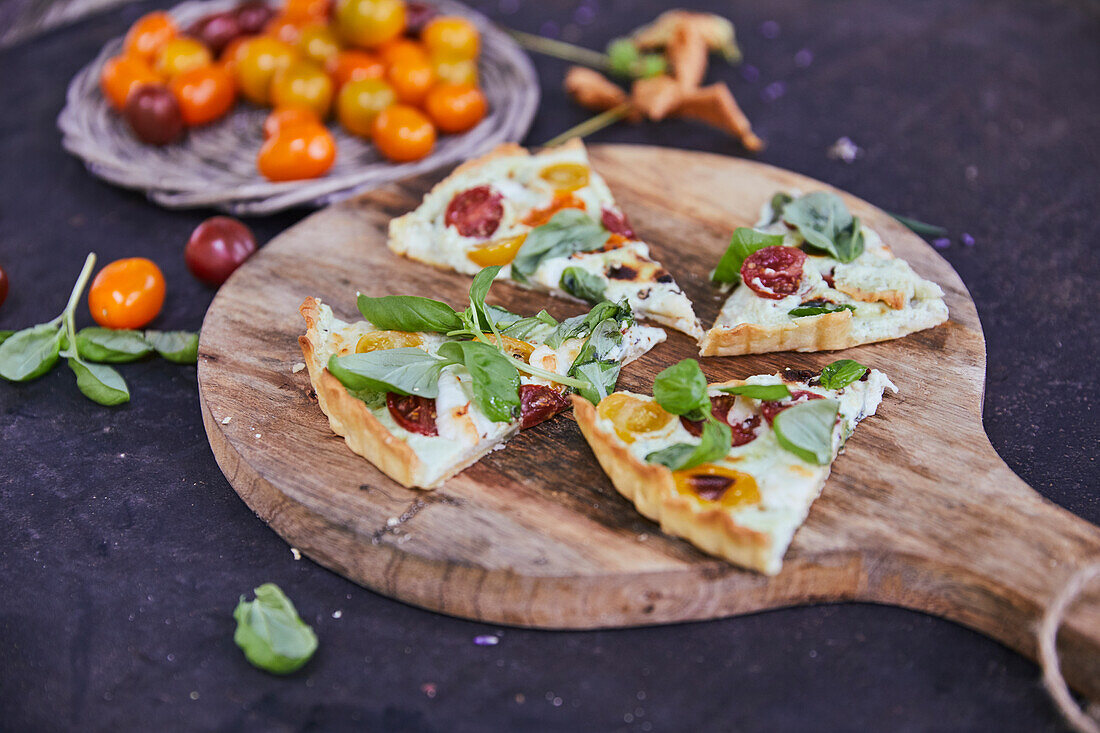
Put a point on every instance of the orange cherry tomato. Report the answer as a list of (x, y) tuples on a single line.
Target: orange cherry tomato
[(287, 117), (127, 293), (360, 102), (369, 23), (306, 151), (228, 58), (401, 50), (121, 75), (402, 133), (411, 79), (355, 65), (452, 37), (455, 107), (180, 55), (148, 34), (312, 10), (204, 94), (455, 71), (302, 84), (319, 44), (256, 62)]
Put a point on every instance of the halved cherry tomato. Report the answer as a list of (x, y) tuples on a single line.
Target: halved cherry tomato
[(204, 94), (180, 55), (565, 177), (455, 71), (385, 340), (286, 117), (319, 44), (539, 403), (296, 153), (498, 252), (121, 75), (402, 133), (633, 417), (411, 79), (713, 483), (303, 84), (127, 293), (451, 36), (355, 65), (369, 23), (360, 102), (256, 61), (455, 107), (148, 34), (401, 49), (412, 412)]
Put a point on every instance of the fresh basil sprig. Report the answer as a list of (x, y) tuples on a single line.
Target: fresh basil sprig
[(682, 390), (594, 364), (408, 313), (806, 430), (583, 284), (569, 231), (743, 243), (764, 392), (817, 308), (271, 634), (405, 370), (826, 224), (841, 373)]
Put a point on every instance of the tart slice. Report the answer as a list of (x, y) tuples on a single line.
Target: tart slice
[(550, 222), (811, 277), (422, 391), (731, 467)]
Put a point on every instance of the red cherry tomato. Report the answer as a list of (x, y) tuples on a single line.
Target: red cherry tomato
[(127, 293), (3, 286), (216, 30), (154, 114), (217, 247), (412, 412), (773, 272), (539, 403), (253, 16), (770, 409)]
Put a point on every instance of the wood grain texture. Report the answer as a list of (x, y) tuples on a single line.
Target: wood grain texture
[(919, 511)]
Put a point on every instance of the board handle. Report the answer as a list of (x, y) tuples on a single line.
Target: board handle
[(1001, 571)]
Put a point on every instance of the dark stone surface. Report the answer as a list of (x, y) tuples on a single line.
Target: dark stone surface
[(123, 549)]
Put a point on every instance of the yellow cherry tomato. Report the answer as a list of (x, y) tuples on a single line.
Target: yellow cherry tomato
[(565, 176), (383, 340), (182, 54), (302, 84), (319, 44), (369, 23), (454, 71), (256, 61), (711, 483), (360, 101), (127, 293), (452, 37), (633, 417), (514, 347), (411, 79), (497, 252)]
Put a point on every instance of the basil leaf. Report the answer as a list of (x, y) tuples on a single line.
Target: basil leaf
[(599, 344), (406, 370), (919, 227), (568, 231), (5, 335), (580, 326), (841, 373), (179, 347), (819, 307), (849, 242), (533, 329), (826, 224), (713, 445), (30, 353), (100, 383), (582, 284), (744, 242), (778, 203), (806, 430), (373, 398), (502, 317), (766, 392), (682, 388), (408, 313), (601, 377), (479, 288), (109, 345), (270, 632), (495, 379)]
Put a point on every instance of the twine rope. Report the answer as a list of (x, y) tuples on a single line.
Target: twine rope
[(1053, 680)]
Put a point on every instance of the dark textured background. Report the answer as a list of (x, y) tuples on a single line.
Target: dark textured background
[(123, 549)]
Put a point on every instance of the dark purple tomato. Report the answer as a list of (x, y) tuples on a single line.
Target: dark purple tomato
[(215, 30), (217, 247), (252, 17), (3, 286), (154, 114), (417, 16)]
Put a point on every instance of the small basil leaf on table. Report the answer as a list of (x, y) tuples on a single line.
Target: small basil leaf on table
[(826, 224), (766, 392), (494, 378), (271, 634), (582, 284), (30, 353), (179, 347), (841, 373), (406, 370), (744, 242), (682, 388), (806, 430), (5, 335), (409, 313), (568, 231), (100, 383), (814, 308), (111, 346), (714, 444)]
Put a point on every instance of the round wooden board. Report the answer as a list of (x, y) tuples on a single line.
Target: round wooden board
[(919, 510)]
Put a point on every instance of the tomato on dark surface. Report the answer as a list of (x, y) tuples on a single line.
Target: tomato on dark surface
[(770, 409), (774, 272), (217, 247), (616, 223), (741, 433), (476, 212), (538, 403), (154, 114), (3, 286), (414, 413)]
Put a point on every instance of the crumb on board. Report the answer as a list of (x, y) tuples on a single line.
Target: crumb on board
[(227, 419), (298, 367)]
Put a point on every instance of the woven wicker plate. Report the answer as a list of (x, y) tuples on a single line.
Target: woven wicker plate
[(215, 165)]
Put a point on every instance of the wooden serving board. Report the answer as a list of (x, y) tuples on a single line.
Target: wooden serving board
[(919, 511)]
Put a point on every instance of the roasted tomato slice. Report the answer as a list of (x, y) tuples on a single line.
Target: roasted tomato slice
[(616, 223), (476, 212), (412, 412), (771, 409), (742, 433), (774, 272), (538, 403)]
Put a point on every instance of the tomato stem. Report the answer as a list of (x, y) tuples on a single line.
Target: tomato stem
[(562, 50), (591, 125), (67, 316)]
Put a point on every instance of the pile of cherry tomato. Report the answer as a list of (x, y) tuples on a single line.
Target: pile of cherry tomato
[(390, 71)]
